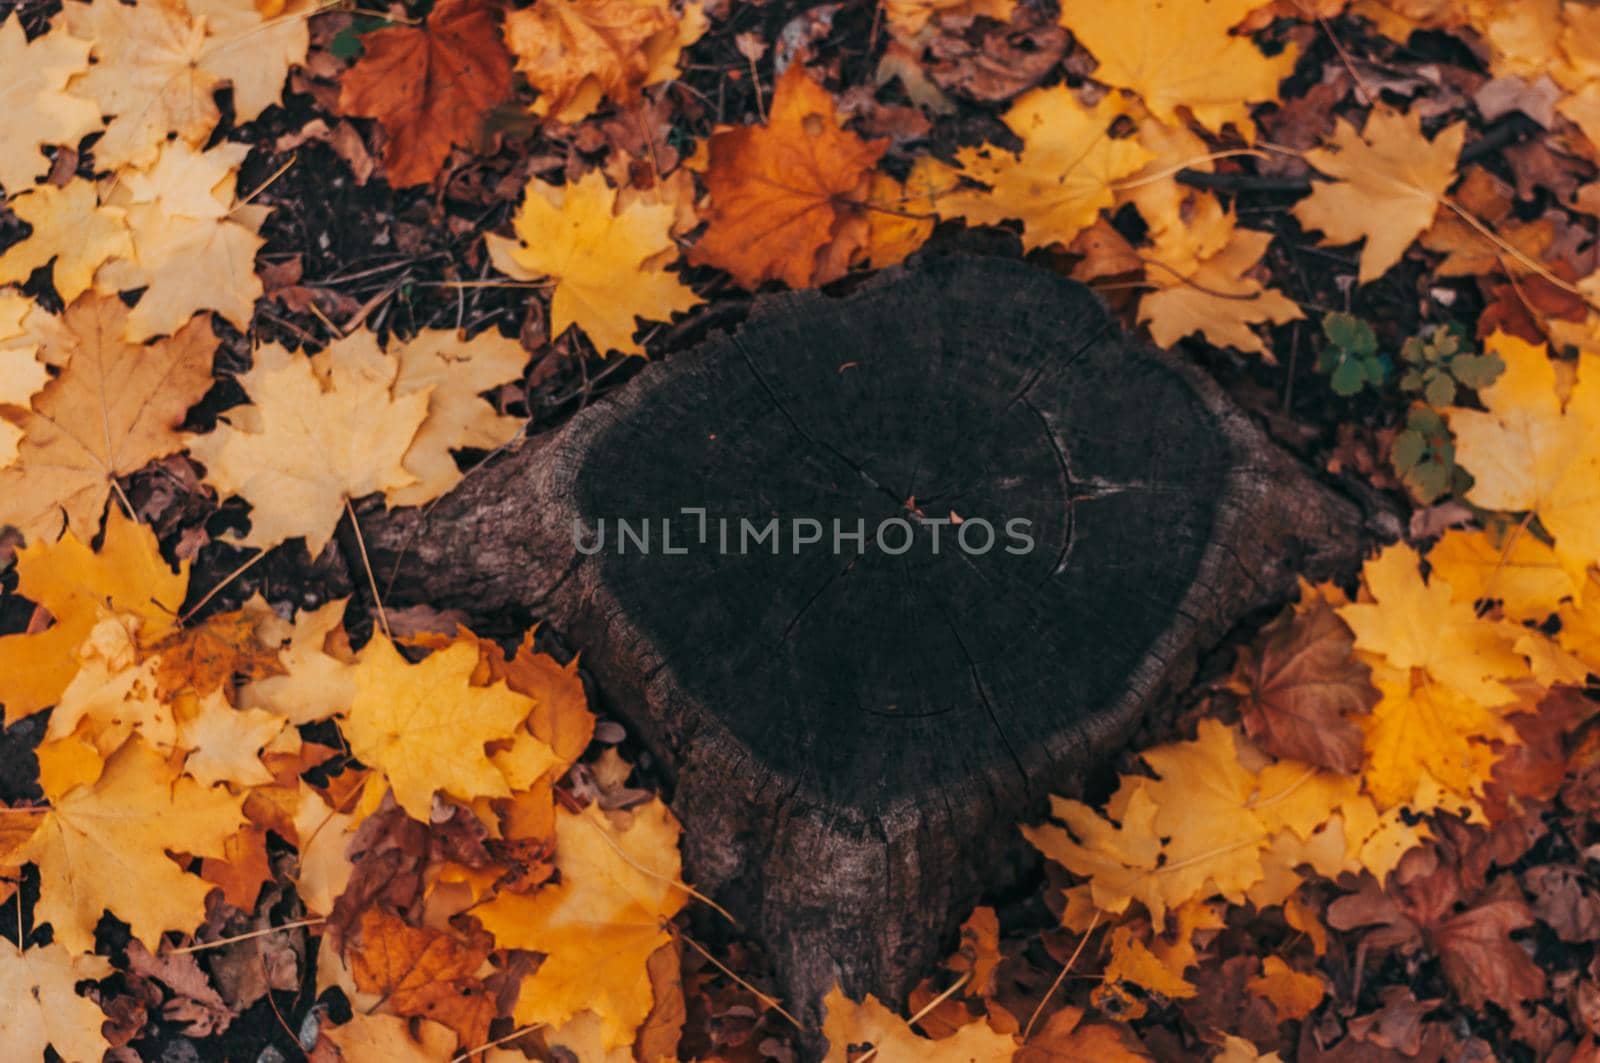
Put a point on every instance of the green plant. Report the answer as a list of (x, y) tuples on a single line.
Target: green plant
[(1424, 456), (1351, 357), (1441, 360)]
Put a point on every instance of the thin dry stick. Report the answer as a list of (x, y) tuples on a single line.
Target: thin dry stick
[(264, 185), (512, 1036), (769, 1001), (1163, 174), (214, 591), (263, 932), (1027, 1031), (1494, 238), (872, 1053), (485, 284), (1197, 286), (327, 323), (366, 563)]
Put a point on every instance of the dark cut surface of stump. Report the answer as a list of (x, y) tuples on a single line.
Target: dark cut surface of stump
[(853, 736)]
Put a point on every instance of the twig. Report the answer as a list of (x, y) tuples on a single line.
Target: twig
[(1027, 1030), (769, 1001), (262, 932), (366, 563), (921, 1013), (1242, 182), (512, 1036), (229, 578)]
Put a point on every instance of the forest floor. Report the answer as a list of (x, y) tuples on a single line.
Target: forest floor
[(240, 241)]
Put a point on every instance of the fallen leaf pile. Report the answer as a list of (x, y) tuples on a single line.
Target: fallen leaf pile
[(268, 266)]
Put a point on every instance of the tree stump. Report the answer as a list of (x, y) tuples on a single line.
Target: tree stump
[(852, 735)]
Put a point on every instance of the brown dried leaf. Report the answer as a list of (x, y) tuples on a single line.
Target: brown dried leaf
[(429, 86), (1300, 684)]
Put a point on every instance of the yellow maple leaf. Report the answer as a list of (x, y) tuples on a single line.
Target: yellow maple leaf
[(1531, 451), (315, 683), (1412, 623), (223, 743), (105, 847), (1159, 966), (1422, 730), (607, 265), (1119, 859), (455, 371), (22, 376), (114, 408), (390, 1039), (73, 583), (1201, 273), (424, 726), (43, 1006), (852, 1028), (34, 111), (1177, 53), (1063, 177), (319, 431), (908, 18), (1388, 183), (1205, 808), (1154, 189), (323, 840), (194, 248), (904, 212), (1522, 573), (254, 44), (577, 53), (70, 227), (1238, 1050), (1210, 823), (600, 924), (1293, 994), (113, 696)]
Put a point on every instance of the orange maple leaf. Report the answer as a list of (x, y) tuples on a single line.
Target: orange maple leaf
[(428, 87), (425, 972), (787, 198)]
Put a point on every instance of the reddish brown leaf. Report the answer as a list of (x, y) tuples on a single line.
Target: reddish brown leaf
[(194, 1002), (424, 972), (429, 86), (242, 868), (1398, 1024), (1563, 902), (1480, 960), (786, 196), (1299, 683)]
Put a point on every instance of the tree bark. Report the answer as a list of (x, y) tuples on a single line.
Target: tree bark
[(852, 736)]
